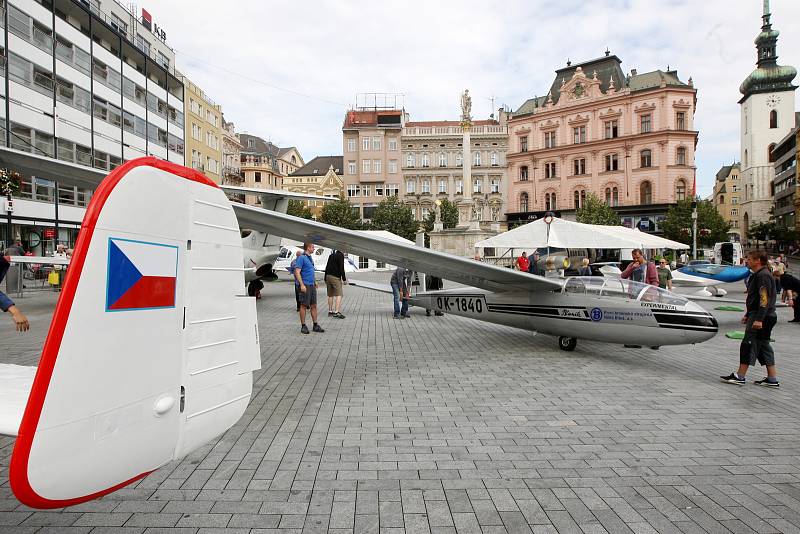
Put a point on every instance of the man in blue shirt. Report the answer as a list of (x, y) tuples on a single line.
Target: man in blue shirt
[(304, 276), (7, 305)]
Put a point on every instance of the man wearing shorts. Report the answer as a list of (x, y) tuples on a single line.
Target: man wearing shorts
[(304, 275), (334, 278), (760, 320)]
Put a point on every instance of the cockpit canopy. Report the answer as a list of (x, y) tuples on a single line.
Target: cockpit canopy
[(618, 288)]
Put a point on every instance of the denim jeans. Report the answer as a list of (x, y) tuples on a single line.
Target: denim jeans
[(398, 307)]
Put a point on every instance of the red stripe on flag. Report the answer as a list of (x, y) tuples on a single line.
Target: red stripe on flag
[(148, 292)]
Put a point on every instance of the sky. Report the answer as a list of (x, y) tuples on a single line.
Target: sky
[(288, 71)]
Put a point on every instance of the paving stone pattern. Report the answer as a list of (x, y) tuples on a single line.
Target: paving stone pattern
[(444, 424)]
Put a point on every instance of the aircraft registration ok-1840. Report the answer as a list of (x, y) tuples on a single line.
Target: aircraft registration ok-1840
[(153, 342)]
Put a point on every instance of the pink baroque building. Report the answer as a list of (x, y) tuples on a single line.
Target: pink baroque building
[(629, 139)]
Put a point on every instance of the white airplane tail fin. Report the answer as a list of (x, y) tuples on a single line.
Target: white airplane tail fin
[(152, 344)]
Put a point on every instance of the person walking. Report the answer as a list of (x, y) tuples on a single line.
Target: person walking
[(791, 293), (334, 278), (292, 267), (759, 319), (7, 305), (523, 263), (401, 292), (640, 270), (664, 274), (304, 274)]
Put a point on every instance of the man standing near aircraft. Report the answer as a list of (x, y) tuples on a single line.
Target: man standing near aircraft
[(401, 291), (304, 274), (760, 318), (640, 270), (7, 305), (334, 278), (791, 293), (523, 262), (292, 267)]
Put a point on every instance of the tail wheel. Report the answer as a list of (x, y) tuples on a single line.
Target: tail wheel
[(567, 343)]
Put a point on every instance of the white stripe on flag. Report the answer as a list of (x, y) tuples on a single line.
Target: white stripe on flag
[(150, 259)]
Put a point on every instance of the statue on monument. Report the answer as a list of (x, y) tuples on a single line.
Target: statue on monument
[(466, 106)]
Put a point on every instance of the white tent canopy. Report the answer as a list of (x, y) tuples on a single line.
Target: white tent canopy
[(568, 234)]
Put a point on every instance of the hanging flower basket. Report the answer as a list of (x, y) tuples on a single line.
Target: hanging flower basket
[(10, 182)]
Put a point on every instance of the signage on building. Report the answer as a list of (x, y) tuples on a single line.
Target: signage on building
[(646, 223), (49, 233), (530, 216), (147, 22)]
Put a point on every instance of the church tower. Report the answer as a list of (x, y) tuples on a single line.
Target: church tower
[(767, 115)]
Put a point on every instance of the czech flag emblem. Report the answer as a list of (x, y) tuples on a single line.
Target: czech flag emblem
[(141, 275)]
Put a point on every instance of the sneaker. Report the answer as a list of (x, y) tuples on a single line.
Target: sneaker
[(397, 316), (405, 316), (304, 330), (331, 313), (794, 321), (733, 379), (318, 328), (767, 383), (438, 314), (338, 315)]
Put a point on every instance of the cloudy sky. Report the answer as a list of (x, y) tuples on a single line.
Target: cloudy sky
[(287, 71)]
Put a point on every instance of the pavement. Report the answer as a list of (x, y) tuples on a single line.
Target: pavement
[(444, 424)]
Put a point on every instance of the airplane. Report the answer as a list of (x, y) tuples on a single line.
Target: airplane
[(706, 277), (320, 256), (153, 343)]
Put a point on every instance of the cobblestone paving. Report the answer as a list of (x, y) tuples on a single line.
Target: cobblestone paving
[(443, 424)]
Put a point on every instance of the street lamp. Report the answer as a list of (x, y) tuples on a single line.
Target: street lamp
[(694, 229)]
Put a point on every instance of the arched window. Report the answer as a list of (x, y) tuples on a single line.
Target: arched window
[(494, 160), (550, 201), (773, 119), (680, 156), (770, 154), (745, 158), (612, 196), (646, 193), (721, 199), (442, 160), (680, 190), (577, 199), (294, 160), (523, 173), (645, 158), (476, 159), (523, 202)]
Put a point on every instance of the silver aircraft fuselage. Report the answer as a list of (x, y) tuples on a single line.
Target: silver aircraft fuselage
[(585, 308)]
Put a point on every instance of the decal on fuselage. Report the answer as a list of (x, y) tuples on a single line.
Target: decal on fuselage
[(141, 275)]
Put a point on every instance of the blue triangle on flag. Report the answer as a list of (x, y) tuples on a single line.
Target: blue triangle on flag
[(122, 274)]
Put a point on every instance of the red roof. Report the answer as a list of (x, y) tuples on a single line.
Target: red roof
[(355, 118), (488, 122)]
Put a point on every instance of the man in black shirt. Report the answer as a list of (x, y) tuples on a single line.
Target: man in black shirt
[(791, 286), (760, 319), (334, 278)]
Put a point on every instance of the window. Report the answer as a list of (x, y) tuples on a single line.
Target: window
[(425, 161), (366, 190), (211, 164), (680, 156), (142, 44), (137, 126), (108, 112), (493, 159), (579, 166), (353, 190), (365, 166), (106, 75), (376, 166), (162, 60), (459, 158), (376, 143), (156, 105), (392, 190), (646, 193), (494, 187), (363, 263), (442, 160), (645, 158), (735, 189), (72, 55), (477, 185), (30, 30), (351, 145), (31, 140), (410, 160), (425, 211), (392, 143), (745, 158), (550, 169), (771, 153), (680, 190), (680, 120), (612, 196), (26, 73), (175, 116), (197, 133), (476, 159), (579, 198), (523, 173), (156, 135), (734, 211), (579, 134), (734, 200), (523, 143), (365, 143), (612, 162), (721, 199), (118, 24), (392, 166), (411, 186), (773, 119), (175, 142), (459, 187), (550, 201), (442, 185), (550, 139), (426, 186), (523, 202), (612, 129), (72, 95), (75, 153), (736, 223), (645, 123), (197, 162)]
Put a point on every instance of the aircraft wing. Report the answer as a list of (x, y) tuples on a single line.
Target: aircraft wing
[(43, 260), (447, 266), (273, 194)]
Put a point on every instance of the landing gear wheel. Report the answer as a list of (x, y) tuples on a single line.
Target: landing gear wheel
[(567, 343)]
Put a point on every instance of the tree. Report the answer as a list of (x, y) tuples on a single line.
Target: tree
[(762, 231), (340, 213), (595, 211), (298, 208), (449, 215), (711, 227), (393, 216)]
